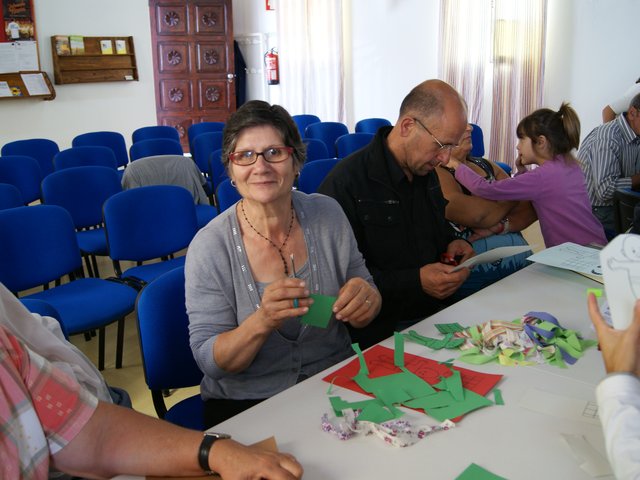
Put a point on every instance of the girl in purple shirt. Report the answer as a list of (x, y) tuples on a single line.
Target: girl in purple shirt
[(556, 189)]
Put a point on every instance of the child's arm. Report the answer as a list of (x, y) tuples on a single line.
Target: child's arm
[(522, 187)]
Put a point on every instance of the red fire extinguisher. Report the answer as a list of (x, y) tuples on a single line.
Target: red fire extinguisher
[(271, 64)]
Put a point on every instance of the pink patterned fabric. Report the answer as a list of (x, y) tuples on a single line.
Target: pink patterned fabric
[(41, 410)]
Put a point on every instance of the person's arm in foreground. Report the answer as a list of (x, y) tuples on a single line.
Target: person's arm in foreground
[(619, 393), (118, 440)]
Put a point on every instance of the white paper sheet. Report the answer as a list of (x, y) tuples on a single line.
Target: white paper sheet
[(5, 91), (621, 270), (35, 83), (589, 459), (560, 406), (493, 255), (571, 256)]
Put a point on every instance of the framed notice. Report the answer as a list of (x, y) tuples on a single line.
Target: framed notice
[(18, 21)]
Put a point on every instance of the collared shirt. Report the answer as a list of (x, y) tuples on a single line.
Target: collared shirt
[(619, 411), (41, 410), (609, 156)]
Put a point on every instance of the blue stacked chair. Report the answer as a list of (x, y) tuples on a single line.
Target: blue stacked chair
[(10, 196), (167, 360), (304, 120), (316, 149), (42, 149), (349, 143), (477, 141), (371, 125), (38, 245), (202, 127), (95, 156), (23, 173), (113, 140), (313, 173), (153, 147), (328, 132), (227, 195), (155, 131)]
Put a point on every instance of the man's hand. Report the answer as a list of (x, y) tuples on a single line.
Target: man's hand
[(241, 462), (439, 281), (619, 347)]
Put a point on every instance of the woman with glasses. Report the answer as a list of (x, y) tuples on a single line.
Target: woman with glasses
[(253, 272)]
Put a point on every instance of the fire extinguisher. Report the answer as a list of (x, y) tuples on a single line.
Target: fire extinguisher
[(271, 63)]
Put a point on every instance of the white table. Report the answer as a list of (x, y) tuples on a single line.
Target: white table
[(508, 440)]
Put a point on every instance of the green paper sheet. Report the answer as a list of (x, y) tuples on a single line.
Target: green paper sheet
[(320, 312), (448, 342), (472, 401), (476, 472)]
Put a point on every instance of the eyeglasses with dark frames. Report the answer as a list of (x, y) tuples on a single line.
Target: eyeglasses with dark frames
[(271, 155), (443, 146)]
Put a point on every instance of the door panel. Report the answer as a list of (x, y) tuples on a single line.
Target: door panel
[(193, 62)]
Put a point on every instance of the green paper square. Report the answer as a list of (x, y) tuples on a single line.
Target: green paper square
[(476, 472), (320, 312)]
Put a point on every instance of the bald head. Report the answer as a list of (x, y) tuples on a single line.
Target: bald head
[(433, 98)]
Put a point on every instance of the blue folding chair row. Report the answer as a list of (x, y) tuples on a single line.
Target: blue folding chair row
[(41, 149), (113, 140), (153, 147), (328, 132)]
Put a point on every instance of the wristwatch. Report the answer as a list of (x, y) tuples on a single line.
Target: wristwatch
[(205, 447)]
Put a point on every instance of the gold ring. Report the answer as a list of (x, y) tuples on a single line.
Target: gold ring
[(368, 302)]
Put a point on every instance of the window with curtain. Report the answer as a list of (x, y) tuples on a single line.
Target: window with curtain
[(503, 39), (311, 57)]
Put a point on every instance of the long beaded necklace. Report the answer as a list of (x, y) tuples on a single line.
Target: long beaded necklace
[(279, 249)]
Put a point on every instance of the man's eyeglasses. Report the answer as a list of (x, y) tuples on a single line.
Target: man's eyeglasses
[(271, 155), (443, 146)]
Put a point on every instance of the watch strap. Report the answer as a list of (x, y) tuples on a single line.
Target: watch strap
[(205, 447)]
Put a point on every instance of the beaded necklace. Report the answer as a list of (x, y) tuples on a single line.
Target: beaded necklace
[(279, 249)]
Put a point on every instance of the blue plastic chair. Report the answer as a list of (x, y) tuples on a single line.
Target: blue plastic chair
[(328, 132), (23, 173), (217, 172), (84, 157), (371, 125), (313, 173), (203, 146), (304, 120), (477, 141), (153, 147), (45, 309), (42, 149), (349, 143), (82, 191), (505, 167), (316, 149), (167, 360), (113, 140), (624, 204), (148, 223), (227, 195), (155, 131), (38, 245), (203, 127), (10, 196)]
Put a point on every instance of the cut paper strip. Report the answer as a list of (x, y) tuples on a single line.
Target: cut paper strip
[(455, 409), (497, 396), (560, 406), (589, 459), (320, 312), (449, 327), (448, 342), (476, 472)]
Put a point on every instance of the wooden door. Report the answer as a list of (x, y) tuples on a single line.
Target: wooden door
[(193, 62)]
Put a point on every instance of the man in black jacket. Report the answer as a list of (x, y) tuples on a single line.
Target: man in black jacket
[(393, 200)]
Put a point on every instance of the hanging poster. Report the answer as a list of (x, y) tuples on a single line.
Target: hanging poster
[(18, 20)]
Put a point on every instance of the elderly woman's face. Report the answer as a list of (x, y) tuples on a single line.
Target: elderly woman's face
[(262, 181)]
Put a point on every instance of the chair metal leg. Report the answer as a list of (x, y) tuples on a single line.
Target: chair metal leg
[(94, 262), (101, 336), (120, 343), (87, 261)]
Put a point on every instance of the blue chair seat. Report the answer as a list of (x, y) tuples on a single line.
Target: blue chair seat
[(93, 242), (204, 214), (150, 271), (184, 413), (88, 303)]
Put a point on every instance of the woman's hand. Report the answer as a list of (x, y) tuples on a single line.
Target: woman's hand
[(358, 303), (282, 299), (453, 163)]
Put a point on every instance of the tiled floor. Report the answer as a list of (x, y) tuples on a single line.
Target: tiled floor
[(131, 376)]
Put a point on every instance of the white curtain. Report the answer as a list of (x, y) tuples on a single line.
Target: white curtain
[(504, 40), (310, 49)]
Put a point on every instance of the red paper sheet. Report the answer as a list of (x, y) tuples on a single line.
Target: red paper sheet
[(380, 363)]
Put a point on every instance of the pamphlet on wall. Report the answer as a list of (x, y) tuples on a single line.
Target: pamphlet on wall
[(121, 47), (77, 44), (106, 47), (62, 45)]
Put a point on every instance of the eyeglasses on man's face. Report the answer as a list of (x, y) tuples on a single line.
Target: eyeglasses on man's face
[(271, 155), (443, 146)]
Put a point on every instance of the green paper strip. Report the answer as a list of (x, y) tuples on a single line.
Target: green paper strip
[(596, 291), (449, 327), (497, 396)]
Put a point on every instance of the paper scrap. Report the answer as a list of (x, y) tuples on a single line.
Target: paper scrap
[(494, 255), (589, 459), (571, 256), (621, 271), (561, 406), (476, 472), (320, 312)]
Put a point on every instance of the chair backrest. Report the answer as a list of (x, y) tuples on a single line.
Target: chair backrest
[(42, 149), (96, 156), (163, 327), (371, 125), (304, 120), (166, 170), (113, 140), (313, 173), (149, 222), (477, 141), (23, 173), (203, 127), (10, 196), (203, 145), (328, 132), (349, 143), (38, 245), (624, 203), (82, 191), (316, 149), (155, 146), (226, 194), (504, 166), (217, 172), (155, 131)]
